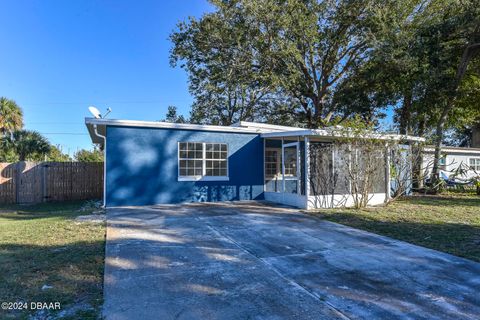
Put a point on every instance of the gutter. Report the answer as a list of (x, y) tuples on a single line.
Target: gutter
[(104, 138)]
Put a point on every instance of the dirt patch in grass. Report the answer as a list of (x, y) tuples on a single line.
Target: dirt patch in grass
[(48, 256), (446, 223)]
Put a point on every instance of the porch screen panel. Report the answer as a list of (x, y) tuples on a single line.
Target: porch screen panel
[(341, 160), (370, 164), (321, 175), (379, 176)]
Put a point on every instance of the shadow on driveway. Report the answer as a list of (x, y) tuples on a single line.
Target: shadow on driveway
[(252, 260)]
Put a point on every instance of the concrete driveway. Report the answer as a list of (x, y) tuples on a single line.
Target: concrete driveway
[(254, 261)]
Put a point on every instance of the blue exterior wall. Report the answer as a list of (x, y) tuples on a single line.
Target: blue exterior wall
[(142, 167)]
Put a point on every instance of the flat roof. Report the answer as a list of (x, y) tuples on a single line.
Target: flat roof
[(102, 123), (453, 150), (266, 126), (335, 133), (265, 130)]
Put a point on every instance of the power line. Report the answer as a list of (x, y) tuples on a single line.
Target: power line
[(109, 102), (66, 133), (60, 122)]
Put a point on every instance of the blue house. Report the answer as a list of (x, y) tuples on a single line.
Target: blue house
[(149, 163)]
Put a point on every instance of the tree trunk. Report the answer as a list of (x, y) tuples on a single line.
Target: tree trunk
[(405, 115), (438, 147), (418, 167)]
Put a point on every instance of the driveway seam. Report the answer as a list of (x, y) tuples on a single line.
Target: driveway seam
[(271, 267)]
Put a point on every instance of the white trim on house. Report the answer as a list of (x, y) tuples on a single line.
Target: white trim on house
[(169, 125), (203, 178), (266, 130), (286, 198), (264, 126), (452, 150), (103, 123), (341, 200), (338, 133)]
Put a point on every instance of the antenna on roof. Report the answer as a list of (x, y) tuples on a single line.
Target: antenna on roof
[(96, 113), (108, 111)]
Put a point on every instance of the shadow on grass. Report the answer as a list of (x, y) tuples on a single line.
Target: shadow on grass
[(74, 272), (445, 200), (458, 239), (212, 264), (44, 210)]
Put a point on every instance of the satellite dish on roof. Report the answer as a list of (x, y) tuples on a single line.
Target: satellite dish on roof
[(95, 112)]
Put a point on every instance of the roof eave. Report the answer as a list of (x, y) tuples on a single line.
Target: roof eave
[(337, 135), (168, 125)]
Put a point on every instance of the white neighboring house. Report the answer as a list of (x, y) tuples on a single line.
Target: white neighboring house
[(453, 158)]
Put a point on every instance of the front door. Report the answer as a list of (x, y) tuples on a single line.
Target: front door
[(291, 167)]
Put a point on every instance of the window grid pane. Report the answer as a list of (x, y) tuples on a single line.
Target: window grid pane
[(190, 159), (475, 164), (271, 164), (216, 151), (216, 168)]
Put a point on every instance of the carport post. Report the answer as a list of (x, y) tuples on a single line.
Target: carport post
[(387, 174), (283, 168), (307, 169)]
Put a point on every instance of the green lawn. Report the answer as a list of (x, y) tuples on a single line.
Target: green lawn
[(43, 245), (449, 223)]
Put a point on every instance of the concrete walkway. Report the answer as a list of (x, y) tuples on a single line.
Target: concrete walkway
[(252, 261)]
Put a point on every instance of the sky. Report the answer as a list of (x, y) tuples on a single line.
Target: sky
[(59, 57)]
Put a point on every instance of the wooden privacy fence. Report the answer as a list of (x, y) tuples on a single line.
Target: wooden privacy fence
[(34, 182)]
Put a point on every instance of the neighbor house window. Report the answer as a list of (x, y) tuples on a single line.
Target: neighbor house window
[(475, 164), (202, 161), (442, 161)]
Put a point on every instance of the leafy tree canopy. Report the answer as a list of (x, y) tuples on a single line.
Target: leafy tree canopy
[(173, 117), (25, 145), (95, 155), (11, 116), (251, 60), (57, 155)]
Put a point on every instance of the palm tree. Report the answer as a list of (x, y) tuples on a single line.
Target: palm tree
[(11, 116), (26, 144)]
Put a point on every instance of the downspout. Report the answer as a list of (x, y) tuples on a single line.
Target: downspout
[(104, 138)]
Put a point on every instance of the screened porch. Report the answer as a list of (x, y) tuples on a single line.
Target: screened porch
[(311, 171)]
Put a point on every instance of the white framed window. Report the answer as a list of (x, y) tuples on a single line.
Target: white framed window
[(474, 164), (202, 161)]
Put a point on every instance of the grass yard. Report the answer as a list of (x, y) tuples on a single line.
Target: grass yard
[(42, 245), (449, 223)]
